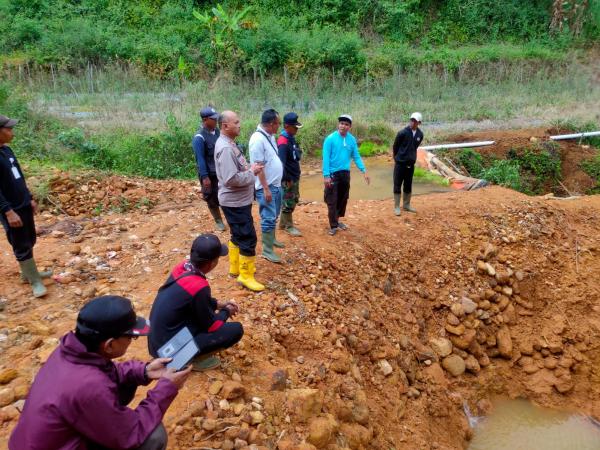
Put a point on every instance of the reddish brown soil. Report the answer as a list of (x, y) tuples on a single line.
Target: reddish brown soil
[(377, 292), (572, 153)]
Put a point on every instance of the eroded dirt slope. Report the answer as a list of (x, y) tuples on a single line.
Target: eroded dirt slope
[(374, 338)]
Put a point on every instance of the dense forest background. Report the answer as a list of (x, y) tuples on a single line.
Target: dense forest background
[(194, 38)]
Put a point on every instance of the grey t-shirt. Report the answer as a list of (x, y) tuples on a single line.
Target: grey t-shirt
[(236, 180)]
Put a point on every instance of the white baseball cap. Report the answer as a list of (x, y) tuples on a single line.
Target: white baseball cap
[(417, 116), (345, 118)]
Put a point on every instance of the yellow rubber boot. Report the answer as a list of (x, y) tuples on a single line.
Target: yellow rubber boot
[(234, 259), (247, 270)]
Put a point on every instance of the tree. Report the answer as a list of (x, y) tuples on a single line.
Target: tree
[(222, 27), (570, 15)]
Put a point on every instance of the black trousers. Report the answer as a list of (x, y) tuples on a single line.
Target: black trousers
[(403, 175), (241, 224), (336, 196), (21, 239), (227, 336), (211, 195)]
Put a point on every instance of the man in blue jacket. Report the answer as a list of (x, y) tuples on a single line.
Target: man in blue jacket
[(78, 400), (405, 156), (339, 148), (204, 150), (17, 209)]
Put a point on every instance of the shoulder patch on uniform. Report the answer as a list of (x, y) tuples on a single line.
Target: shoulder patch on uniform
[(192, 284), (282, 140)]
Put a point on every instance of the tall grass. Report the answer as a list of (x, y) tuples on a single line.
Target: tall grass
[(134, 124)]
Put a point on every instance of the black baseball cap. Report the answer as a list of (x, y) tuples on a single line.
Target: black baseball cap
[(111, 316), (6, 122), (292, 119), (207, 247), (209, 113)]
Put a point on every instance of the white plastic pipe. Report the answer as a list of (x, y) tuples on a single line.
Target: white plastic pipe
[(561, 137), (461, 145)]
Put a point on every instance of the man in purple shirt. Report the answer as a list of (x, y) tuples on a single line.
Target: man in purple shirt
[(78, 398)]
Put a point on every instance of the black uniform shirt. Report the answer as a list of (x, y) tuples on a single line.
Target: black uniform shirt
[(14, 193), (405, 145)]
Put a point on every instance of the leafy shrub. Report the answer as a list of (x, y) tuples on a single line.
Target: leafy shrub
[(370, 148), (472, 162), (504, 172)]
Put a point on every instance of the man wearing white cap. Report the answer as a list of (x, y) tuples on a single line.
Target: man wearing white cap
[(405, 156), (339, 149)]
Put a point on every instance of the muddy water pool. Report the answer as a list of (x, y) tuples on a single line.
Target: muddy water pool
[(381, 173), (520, 425)]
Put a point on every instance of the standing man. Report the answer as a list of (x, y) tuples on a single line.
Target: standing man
[(405, 156), (263, 150), (204, 149), (339, 149), (236, 193), (290, 155), (17, 208)]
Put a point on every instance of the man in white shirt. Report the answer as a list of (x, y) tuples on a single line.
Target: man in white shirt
[(263, 150)]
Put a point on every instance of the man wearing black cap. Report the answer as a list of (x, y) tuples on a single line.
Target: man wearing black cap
[(17, 208), (290, 154), (79, 397), (185, 300), (339, 149), (204, 149)]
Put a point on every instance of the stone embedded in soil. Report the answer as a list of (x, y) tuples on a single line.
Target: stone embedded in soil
[(7, 396), (503, 338), (472, 365), (454, 364), (321, 430), (489, 251), (468, 305), (456, 330), (304, 403), (232, 390), (215, 387), (490, 269), (441, 346), (385, 367), (7, 375)]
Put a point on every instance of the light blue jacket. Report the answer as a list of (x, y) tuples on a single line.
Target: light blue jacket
[(338, 151)]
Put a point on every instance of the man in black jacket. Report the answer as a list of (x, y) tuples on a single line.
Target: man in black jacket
[(185, 300), (204, 150), (405, 156), (17, 208), (290, 155)]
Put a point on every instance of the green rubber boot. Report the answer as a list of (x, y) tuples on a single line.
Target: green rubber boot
[(406, 205), (216, 214), (277, 243), (397, 204), (205, 362), (289, 227), (29, 270), (267, 247)]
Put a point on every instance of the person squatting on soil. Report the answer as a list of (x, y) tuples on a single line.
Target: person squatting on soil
[(263, 150), (185, 300), (17, 208), (203, 144), (236, 193), (405, 156), (339, 148), (290, 155), (78, 400)]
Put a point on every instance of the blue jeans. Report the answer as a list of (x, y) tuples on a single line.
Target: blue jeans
[(269, 212)]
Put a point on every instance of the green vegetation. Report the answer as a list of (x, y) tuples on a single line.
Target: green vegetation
[(428, 177), (592, 168), (534, 170), (193, 38)]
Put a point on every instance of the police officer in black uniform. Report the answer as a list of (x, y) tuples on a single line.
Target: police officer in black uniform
[(204, 150), (17, 208)]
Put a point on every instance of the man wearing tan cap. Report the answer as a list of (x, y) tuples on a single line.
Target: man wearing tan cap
[(17, 208)]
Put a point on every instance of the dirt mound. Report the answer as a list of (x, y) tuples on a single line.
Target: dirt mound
[(572, 153), (374, 338)]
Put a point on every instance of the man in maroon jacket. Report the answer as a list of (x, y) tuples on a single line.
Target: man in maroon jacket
[(185, 300), (78, 398)]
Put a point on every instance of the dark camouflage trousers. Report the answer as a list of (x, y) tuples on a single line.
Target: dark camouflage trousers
[(290, 195)]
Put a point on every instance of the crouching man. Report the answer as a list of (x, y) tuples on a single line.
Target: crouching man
[(185, 300), (78, 398)]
